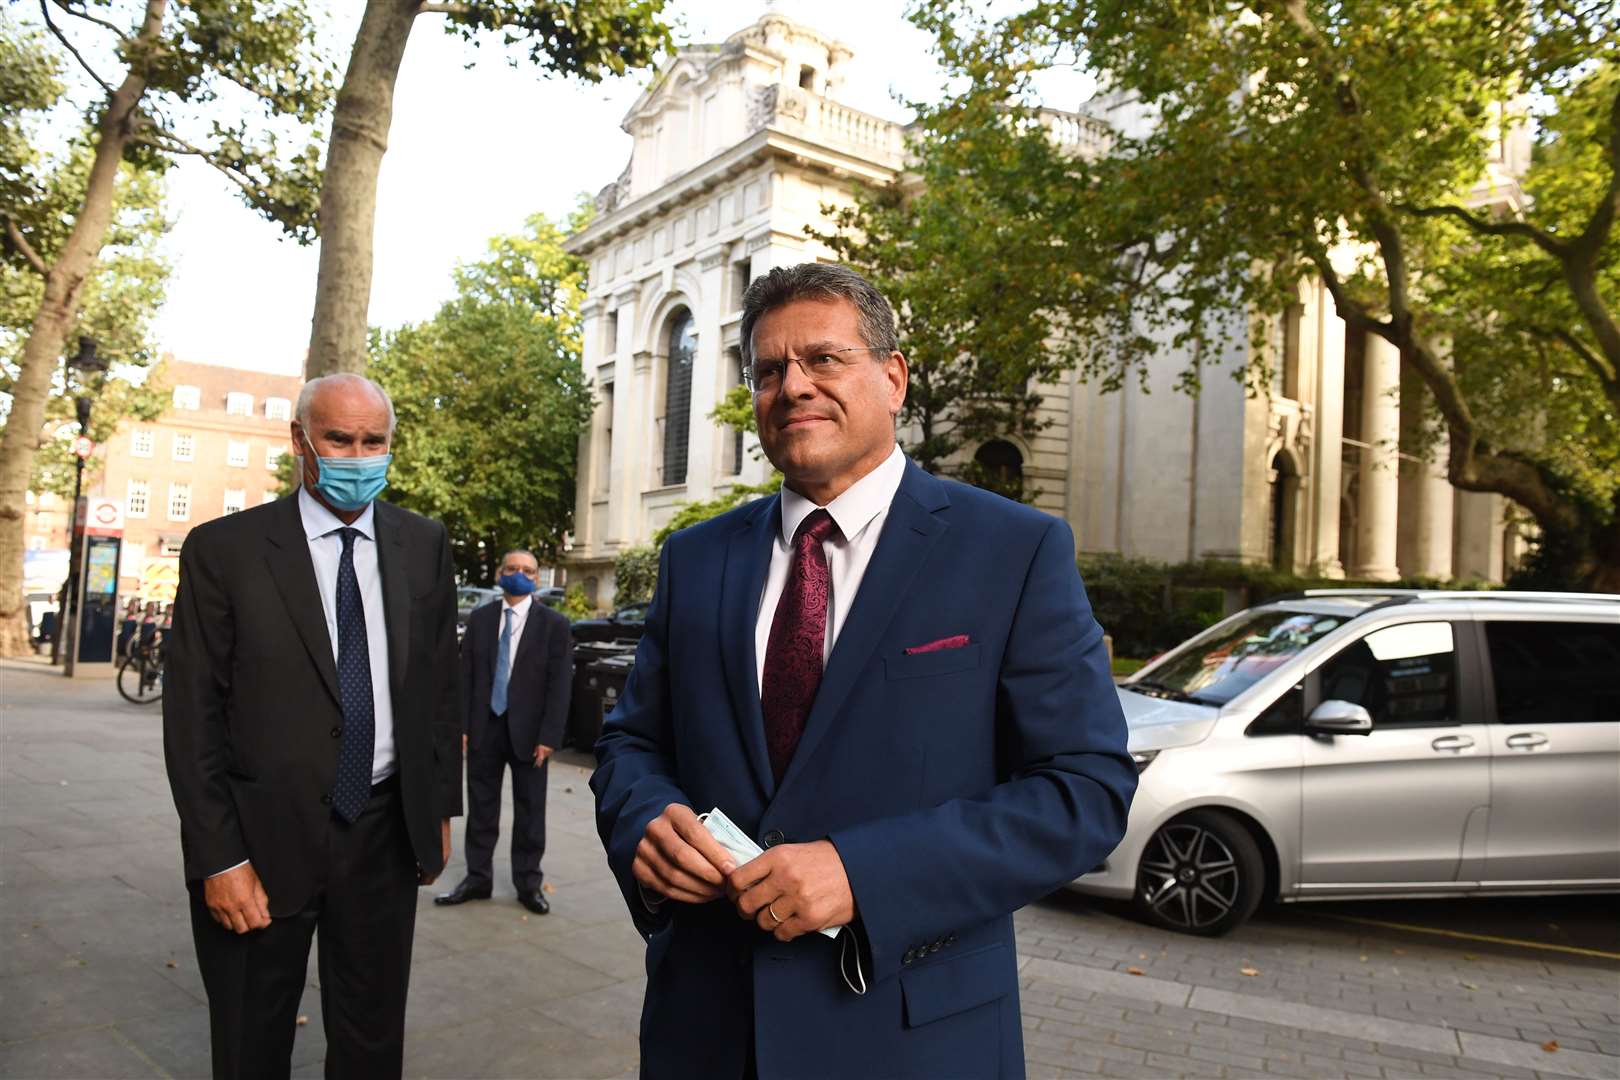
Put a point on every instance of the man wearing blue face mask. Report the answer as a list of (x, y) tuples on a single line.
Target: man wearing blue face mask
[(516, 671), (310, 715)]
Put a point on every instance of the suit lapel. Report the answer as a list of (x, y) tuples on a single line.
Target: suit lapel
[(396, 591), (748, 558), (287, 555), (909, 533)]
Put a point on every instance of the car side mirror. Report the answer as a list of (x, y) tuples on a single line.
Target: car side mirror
[(1335, 717)]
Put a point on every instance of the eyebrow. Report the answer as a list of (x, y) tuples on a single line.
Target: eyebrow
[(814, 347)]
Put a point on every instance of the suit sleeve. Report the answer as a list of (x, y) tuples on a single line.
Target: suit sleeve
[(449, 712), (1062, 803), (559, 682), (196, 689), (635, 775)]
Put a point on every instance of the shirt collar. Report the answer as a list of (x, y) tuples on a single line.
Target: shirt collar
[(520, 609), (319, 521), (854, 510)]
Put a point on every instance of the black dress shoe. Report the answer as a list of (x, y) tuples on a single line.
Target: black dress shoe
[(535, 900), (461, 894)]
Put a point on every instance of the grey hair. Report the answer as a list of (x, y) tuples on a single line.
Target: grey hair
[(522, 551), (306, 396), (819, 281)]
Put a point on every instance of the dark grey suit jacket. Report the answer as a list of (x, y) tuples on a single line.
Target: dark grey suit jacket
[(250, 701)]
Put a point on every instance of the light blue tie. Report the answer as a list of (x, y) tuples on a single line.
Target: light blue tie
[(503, 666)]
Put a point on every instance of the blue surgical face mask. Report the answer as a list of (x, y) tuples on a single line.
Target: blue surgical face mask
[(515, 584), (350, 483)]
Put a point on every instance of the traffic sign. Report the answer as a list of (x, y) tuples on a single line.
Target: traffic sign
[(84, 446)]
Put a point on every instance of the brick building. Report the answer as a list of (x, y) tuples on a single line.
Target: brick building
[(215, 451)]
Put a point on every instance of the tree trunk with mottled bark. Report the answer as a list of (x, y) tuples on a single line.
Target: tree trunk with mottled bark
[(360, 123)]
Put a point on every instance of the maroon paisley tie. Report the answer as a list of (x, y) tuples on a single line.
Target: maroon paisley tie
[(798, 632)]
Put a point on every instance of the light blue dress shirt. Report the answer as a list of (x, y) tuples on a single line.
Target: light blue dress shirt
[(325, 548)]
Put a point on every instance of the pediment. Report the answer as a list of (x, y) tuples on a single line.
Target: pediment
[(675, 77)]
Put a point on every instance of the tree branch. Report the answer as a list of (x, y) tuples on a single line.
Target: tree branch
[(19, 242), (154, 136), (89, 18), (1524, 229), (45, 10), (446, 9)]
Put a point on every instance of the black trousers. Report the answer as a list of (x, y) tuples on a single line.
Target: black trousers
[(365, 918), (487, 764)]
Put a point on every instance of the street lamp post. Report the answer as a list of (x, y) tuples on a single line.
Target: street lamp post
[(85, 363)]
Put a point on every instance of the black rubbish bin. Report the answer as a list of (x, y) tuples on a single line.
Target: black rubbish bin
[(592, 685)]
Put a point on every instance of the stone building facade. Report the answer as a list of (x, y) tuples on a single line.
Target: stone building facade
[(739, 146)]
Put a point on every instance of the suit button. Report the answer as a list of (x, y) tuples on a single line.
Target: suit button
[(911, 954), (326, 800), (774, 837), (337, 732)]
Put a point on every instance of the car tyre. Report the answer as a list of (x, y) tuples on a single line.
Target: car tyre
[(1201, 873)]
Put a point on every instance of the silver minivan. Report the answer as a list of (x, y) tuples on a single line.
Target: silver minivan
[(1350, 743)]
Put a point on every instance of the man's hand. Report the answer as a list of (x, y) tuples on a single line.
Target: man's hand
[(541, 753), (464, 744), (237, 900), (793, 889), (678, 858), (422, 876)]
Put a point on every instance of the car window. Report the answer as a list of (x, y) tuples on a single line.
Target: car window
[(1221, 663), (1555, 672), (1404, 676)]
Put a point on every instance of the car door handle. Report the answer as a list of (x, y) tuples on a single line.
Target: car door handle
[(1527, 740), (1453, 743)]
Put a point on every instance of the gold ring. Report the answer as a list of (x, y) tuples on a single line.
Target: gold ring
[(771, 910)]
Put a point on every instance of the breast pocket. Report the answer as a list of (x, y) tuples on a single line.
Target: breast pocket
[(931, 664)]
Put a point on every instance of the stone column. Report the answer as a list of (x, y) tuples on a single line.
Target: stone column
[(1479, 535), (1423, 545), (587, 530), (1327, 481), (624, 486), (1378, 476)]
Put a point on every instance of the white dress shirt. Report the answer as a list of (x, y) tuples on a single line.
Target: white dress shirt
[(325, 549), (859, 513), (520, 619)]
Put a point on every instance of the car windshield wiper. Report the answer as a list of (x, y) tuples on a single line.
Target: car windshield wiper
[(1160, 690)]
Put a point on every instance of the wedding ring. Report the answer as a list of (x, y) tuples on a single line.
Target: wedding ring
[(771, 909)]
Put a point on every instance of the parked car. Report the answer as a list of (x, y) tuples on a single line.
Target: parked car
[(626, 624), (1347, 743), (551, 596)]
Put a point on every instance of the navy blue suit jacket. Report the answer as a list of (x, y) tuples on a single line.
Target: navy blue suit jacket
[(957, 785)]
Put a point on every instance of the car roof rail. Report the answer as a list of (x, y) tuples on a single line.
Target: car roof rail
[(1407, 596)]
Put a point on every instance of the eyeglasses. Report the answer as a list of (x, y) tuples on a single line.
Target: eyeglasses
[(823, 367)]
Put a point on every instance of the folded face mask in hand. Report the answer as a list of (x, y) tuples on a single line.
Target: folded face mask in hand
[(741, 846)]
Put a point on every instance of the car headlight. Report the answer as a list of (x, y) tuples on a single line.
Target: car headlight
[(1143, 758)]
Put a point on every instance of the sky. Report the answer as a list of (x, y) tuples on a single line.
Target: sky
[(471, 154)]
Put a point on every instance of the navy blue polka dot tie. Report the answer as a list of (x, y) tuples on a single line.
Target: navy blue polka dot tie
[(354, 689)]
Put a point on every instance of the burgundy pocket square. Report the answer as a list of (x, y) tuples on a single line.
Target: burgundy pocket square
[(956, 641)]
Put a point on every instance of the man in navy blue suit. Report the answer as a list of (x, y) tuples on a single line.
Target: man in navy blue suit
[(895, 686)]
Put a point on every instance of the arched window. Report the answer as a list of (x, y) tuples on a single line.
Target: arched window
[(1000, 468), (1284, 497), (677, 419)]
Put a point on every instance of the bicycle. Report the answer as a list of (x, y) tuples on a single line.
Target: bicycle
[(140, 673)]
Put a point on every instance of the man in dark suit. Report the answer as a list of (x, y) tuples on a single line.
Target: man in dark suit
[(895, 686), (517, 665), (310, 711)]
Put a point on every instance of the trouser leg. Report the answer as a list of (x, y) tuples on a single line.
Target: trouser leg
[(366, 927), (254, 982), (528, 822), (486, 770)]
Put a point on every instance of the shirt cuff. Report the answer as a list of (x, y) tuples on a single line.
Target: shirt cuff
[(228, 869)]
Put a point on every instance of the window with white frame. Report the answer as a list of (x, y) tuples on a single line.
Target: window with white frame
[(238, 403), (235, 500), (187, 397), (272, 457), (277, 408), (236, 454), (140, 442), (137, 497), (179, 502), (185, 446)]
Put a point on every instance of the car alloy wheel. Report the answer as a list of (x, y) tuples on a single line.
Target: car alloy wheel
[(1200, 874)]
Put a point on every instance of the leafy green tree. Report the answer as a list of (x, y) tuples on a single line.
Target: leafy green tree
[(1342, 140), (159, 75), (635, 576), (491, 401), (589, 39)]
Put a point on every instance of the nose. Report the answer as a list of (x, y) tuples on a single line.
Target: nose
[(795, 383)]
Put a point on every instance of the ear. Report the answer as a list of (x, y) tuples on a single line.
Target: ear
[(899, 376)]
